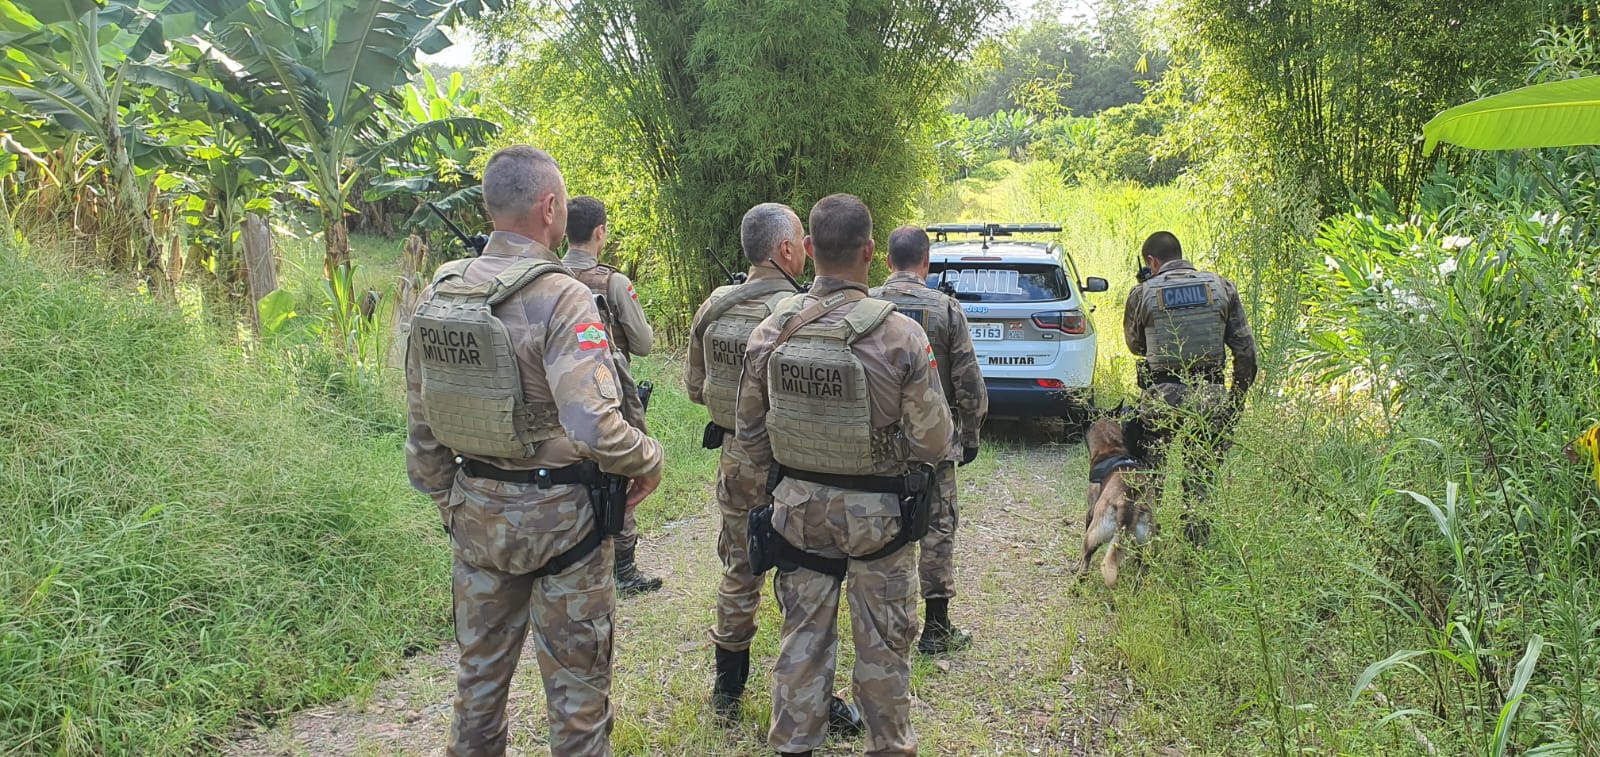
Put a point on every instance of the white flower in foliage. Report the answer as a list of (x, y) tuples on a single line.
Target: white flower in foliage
[(1448, 267), (1333, 265), (1455, 242)]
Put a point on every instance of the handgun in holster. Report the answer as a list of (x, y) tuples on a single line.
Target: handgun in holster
[(916, 502), (609, 494), (712, 437), (763, 541)]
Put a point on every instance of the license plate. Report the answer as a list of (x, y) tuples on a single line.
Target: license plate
[(986, 332)]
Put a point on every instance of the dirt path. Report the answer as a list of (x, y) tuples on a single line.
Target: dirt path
[(1043, 677)]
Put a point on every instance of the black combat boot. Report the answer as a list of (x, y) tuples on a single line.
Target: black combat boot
[(938, 635), (733, 669), (629, 580), (844, 721)]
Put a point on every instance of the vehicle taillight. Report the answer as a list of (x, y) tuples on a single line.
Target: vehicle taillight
[(1052, 383), (1064, 321)]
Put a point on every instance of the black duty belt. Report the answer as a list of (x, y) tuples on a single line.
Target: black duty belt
[(545, 478), (869, 484), (1188, 378)]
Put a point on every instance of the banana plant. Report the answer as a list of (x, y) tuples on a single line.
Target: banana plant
[(320, 72), (436, 170), (92, 67)]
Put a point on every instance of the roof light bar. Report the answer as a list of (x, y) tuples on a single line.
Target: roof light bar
[(942, 231)]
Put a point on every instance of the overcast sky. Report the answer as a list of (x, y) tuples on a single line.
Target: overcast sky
[(461, 53)]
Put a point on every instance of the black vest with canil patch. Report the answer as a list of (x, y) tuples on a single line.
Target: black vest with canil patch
[(1187, 312), (928, 308), (732, 313), (820, 407), (598, 279), (472, 393)]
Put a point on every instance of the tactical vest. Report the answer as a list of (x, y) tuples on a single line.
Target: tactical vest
[(926, 307), (732, 313), (1188, 317), (598, 279), (820, 416), (471, 386)]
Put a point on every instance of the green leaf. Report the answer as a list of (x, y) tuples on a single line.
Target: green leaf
[(57, 11), (1555, 114), (1519, 684), (1376, 669), (275, 310)]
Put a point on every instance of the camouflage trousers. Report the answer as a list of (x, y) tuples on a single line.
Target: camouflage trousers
[(626, 541), (500, 534), (937, 564), (739, 592), (1200, 414), (883, 620)]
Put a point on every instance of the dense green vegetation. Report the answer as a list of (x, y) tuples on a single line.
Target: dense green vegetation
[(207, 525)]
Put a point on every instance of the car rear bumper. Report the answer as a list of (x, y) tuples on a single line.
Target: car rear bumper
[(1024, 398)]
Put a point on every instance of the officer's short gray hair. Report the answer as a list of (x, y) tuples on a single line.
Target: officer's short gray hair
[(765, 226), (516, 177)]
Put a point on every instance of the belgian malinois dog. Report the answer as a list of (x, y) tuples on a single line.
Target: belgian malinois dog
[(1120, 496)]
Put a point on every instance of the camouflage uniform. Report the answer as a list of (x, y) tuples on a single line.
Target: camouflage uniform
[(630, 335), (1184, 322), (502, 532), (941, 316), (905, 395), (738, 490)]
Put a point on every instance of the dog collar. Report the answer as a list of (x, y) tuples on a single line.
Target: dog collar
[(1097, 474)]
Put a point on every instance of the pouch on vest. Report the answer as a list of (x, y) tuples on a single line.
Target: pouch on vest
[(820, 416), (471, 386)]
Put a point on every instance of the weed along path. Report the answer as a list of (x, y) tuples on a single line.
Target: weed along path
[(1043, 676)]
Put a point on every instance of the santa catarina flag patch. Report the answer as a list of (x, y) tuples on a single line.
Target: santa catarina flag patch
[(932, 362), (632, 293), (591, 336)]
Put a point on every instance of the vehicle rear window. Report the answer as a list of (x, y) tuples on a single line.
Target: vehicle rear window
[(1007, 282)]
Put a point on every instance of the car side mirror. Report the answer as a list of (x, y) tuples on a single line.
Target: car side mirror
[(1097, 284)]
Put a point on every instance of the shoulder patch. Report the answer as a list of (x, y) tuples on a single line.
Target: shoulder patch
[(591, 336), (631, 293), (933, 362)]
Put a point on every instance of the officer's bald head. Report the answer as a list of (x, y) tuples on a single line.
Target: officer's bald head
[(764, 228), (908, 248), (524, 193), (841, 233), (1163, 247)]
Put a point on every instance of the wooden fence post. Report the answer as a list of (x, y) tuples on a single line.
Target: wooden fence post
[(260, 265)]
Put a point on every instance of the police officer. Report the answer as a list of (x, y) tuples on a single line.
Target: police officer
[(841, 405), (1183, 322), (940, 315), (630, 335), (512, 330), (771, 236)]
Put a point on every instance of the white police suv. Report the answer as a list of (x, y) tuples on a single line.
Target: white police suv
[(1025, 308)]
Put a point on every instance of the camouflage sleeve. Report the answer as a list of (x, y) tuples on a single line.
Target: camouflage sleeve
[(431, 466), (752, 448), (694, 369), (1241, 341), (971, 400), (924, 413), (1133, 321), (641, 339), (582, 376)]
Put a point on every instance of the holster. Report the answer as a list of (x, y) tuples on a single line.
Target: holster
[(609, 495), (765, 546), (713, 436), (916, 502)]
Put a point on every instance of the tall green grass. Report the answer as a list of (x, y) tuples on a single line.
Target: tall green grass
[(189, 539)]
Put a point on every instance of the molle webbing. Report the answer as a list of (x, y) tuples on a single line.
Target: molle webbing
[(1187, 319), (472, 392), (732, 313), (926, 307), (820, 416)]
